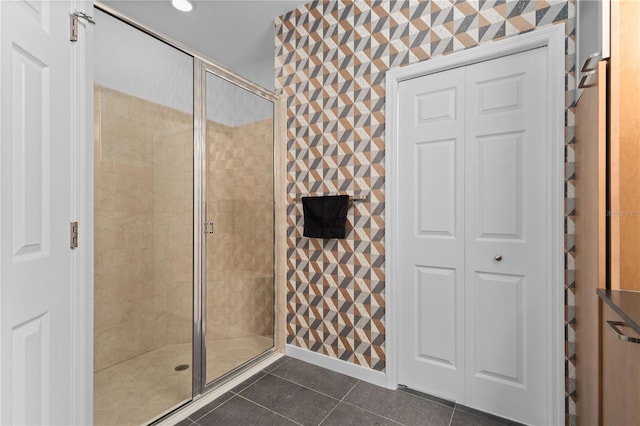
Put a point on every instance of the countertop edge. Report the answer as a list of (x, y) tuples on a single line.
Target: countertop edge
[(629, 320)]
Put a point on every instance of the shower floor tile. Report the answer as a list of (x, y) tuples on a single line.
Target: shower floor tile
[(137, 390)]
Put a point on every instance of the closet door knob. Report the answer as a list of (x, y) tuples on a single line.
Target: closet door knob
[(498, 257)]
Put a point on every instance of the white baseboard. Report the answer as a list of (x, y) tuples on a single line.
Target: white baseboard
[(338, 365)]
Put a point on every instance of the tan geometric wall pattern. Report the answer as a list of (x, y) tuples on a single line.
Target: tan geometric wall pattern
[(331, 59)]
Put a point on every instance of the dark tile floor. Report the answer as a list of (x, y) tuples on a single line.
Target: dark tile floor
[(292, 392)]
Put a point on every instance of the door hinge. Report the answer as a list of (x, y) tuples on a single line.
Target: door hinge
[(74, 235), (74, 23)]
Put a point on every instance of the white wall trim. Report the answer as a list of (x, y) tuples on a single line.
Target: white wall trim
[(2, 95), (361, 373), (553, 38), (81, 210)]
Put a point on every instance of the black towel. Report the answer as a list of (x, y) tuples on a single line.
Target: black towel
[(325, 217)]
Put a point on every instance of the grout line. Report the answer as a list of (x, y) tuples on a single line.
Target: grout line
[(452, 413), (249, 384), (233, 393), (339, 402), (268, 409), (371, 412), (329, 413), (348, 403), (279, 365), (266, 373), (208, 412), (303, 386), (342, 400), (352, 387)]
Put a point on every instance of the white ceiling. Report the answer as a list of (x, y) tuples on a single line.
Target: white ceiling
[(238, 34)]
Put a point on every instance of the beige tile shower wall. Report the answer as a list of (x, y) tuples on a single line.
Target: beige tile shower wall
[(240, 252), (123, 233), (143, 226), (173, 224), (254, 185)]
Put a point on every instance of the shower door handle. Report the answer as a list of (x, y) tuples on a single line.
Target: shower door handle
[(208, 227)]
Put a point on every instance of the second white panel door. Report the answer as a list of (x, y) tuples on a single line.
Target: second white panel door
[(472, 236), (431, 233)]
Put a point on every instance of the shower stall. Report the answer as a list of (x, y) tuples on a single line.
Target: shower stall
[(184, 211)]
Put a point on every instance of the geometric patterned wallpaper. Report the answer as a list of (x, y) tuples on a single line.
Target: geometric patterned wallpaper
[(331, 59)]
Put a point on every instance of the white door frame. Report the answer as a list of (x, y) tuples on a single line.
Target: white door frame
[(82, 211), (553, 38)]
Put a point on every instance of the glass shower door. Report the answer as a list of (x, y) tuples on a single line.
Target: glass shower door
[(184, 224), (239, 284), (143, 213)]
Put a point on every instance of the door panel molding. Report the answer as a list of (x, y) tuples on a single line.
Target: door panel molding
[(494, 359), (436, 169), (552, 38), (434, 346), (31, 159), (498, 220)]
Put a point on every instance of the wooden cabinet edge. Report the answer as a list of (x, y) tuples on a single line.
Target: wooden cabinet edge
[(590, 182)]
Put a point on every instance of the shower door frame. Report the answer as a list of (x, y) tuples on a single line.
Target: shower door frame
[(202, 65), (200, 69)]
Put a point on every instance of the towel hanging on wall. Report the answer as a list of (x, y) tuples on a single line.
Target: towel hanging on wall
[(326, 216)]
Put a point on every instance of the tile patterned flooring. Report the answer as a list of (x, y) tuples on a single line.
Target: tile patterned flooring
[(292, 392)]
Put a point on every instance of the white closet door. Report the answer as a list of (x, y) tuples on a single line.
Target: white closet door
[(431, 232), (472, 252), (506, 247)]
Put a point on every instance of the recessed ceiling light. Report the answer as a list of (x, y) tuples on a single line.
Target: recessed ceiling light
[(182, 5)]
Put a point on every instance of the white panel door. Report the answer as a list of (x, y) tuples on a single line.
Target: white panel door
[(472, 248), (507, 217), (35, 262), (431, 231)]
